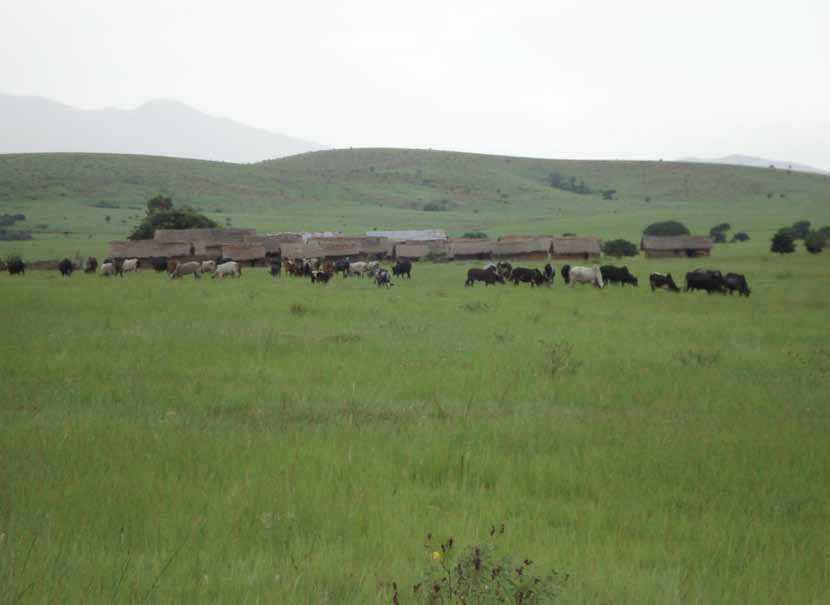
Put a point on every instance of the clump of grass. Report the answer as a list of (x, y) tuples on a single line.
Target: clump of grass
[(479, 573), (476, 307), (298, 309), (698, 357), (558, 358)]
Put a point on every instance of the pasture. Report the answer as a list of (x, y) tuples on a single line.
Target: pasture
[(267, 440)]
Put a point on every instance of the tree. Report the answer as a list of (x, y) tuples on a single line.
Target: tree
[(814, 242), (740, 236), (721, 227), (474, 235), (719, 237), (619, 248), (159, 217), (800, 229), (783, 242), (666, 228)]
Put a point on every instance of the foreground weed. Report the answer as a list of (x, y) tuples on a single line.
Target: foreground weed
[(698, 357), (559, 358), (297, 309)]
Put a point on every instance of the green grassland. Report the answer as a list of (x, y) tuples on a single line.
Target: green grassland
[(270, 441), (360, 189)]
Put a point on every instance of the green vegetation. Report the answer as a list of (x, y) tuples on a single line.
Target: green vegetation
[(815, 242), (474, 235), (783, 242), (666, 228), (620, 248), (740, 237), (266, 440), (161, 214)]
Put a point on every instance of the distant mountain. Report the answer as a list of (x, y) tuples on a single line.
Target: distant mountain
[(746, 160), (165, 128)]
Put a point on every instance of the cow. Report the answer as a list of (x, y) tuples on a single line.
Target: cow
[(504, 269), (66, 267), (401, 268), (566, 273), (320, 277), (159, 265), (382, 278), (328, 266), (107, 270), (232, 268), (586, 275), (488, 277), (129, 265), (372, 268), (16, 266), (662, 280), (171, 266), (341, 266), (617, 275), (276, 268), (491, 267), (550, 273), (534, 277), (736, 281), (91, 265), (208, 266), (702, 279), (357, 269), (193, 268)]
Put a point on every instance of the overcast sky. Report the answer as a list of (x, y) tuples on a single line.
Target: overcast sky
[(584, 78)]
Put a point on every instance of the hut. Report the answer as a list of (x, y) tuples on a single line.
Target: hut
[(422, 249), (522, 247), (411, 235), (470, 249), (336, 247), (251, 255), (271, 244), (576, 248), (302, 250), (676, 246), (149, 249), (215, 236)]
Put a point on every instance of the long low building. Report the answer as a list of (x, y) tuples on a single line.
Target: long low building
[(147, 249), (676, 246), (576, 248)]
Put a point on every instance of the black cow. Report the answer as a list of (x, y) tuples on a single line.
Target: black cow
[(91, 265), (617, 275), (66, 267), (662, 280), (401, 268), (566, 273), (488, 277), (16, 266), (550, 273), (341, 266), (382, 278), (276, 268), (736, 281), (534, 277), (320, 277), (701, 279), (159, 264)]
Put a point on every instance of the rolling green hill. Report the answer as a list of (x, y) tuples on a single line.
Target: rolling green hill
[(68, 197)]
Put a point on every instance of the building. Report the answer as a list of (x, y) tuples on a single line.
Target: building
[(422, 249), (528, 247), (576, 248), (676, 246), (251, 255), (470, 249), (410, 235)]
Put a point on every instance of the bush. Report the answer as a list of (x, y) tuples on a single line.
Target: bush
[(721, 227), (783, 242), (800, 229), (740, 236), (474, 235), (815, 242), (719, 237), (160, 217), (666, 228), (619, 248), (14, 236)]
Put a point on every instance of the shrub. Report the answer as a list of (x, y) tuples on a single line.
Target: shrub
[(800, 229), (783, 242), (14, 236), (719, 237), (159, 216), (474, 235), (740, 236), (814, 242), (619, 248), (666, 228), (721, 227)]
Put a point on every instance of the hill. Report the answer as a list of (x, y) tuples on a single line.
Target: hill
[(68, 197), (746, 160), (168, 128)]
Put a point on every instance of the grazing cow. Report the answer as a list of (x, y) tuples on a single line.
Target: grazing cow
[(617, 275), (171, 266), (91, 265), (702, 279), (491, 267), (357, 269), (566, 273), (372, 268), (534, 277), (232, 268), (488, 277), (107, 270), (401, 268), (208, 266), (276, 268), (504, 269), (662, 280), (736, 281), (66, 267), (320, 277), (550, 273), (129, 265), (586, 275), (341, 266), (193, 268), (16, 267), (382, 278), (328, 266), (159, 265)]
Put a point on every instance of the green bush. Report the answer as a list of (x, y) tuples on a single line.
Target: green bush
[(783, 242), (740, 236), (666, 228), (619, 248), (474, 235), (815, 242), (800, 229), (159, 216)]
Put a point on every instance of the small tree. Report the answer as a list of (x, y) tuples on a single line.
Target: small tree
[(159, 217), (474, 235), (719, 237), (159, 203), (619, 248), (666, 228), (740, 236), (800, 229), (783, 242), (815, 242)]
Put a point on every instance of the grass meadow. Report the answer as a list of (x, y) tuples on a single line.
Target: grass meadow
[(272, 441)]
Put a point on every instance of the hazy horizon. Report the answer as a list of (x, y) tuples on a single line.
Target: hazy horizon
[(646, 80)]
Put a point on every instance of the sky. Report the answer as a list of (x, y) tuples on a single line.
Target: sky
[(640, 79)]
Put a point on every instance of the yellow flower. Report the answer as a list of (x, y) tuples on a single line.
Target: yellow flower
[(436, 556)]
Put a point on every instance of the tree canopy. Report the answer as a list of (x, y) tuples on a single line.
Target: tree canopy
[(619, 248), (161, 214), (666, 228), (783, 242)]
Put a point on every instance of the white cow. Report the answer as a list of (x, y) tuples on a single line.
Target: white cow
[(357, 269), (130, 264), (107, 270), (208, 266), (231, 268), (586, 275), (192, 268)]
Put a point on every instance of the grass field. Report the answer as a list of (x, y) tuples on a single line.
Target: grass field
[(361, 189), (271, 441)]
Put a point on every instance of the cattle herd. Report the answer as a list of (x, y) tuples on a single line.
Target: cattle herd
[(322, 271)]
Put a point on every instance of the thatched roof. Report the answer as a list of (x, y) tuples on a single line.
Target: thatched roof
[(676, 242), (577, 245), (470, 247), (317, 234), (336, 246), (269, 242), (243, 252), (308, 250), (421, 249), (286, 237), (411, 235), (216, 236), (517, 244), (148, 248)]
